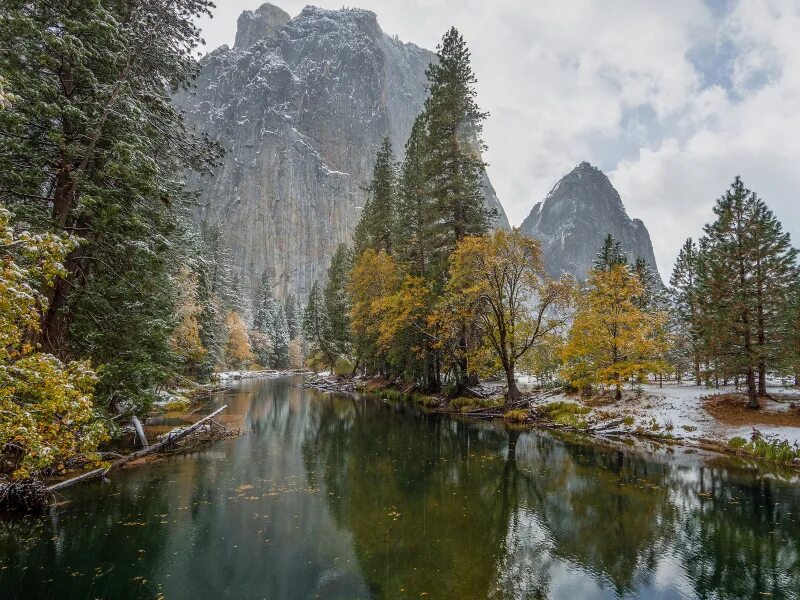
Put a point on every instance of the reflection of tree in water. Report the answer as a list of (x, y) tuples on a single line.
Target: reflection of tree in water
[(589, 506), (743, 541), (459, 510), (421, 495)]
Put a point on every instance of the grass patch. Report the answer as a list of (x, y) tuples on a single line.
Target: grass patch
[(569, 414), (781, 452), (516, 416), (628, 421)]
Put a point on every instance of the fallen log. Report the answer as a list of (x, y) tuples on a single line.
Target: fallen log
[(168, 440)]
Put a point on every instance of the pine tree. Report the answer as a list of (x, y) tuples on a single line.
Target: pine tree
[(453, 167), (281, 339), (791, 334), (775, 274), (316, 329), (337, 302), (610, 255), (414, 222), (727, 284), (685, 303), (376, 227), (92, 144), (294, 317)]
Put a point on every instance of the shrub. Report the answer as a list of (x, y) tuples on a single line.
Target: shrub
[(343, 367), (568, 414), (516, 416)]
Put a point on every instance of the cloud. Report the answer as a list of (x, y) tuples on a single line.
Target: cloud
[(671, 99)]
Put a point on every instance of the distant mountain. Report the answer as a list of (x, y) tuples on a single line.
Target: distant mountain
[(302, 105), (576, 216)]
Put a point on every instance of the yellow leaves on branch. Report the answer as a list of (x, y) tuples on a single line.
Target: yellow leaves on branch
[(613, 340), (238, 353), (46, 411), (186, 342), (384, 301), (498, 286)]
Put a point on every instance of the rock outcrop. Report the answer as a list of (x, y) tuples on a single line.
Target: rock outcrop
[(301, 106), (576, 216)]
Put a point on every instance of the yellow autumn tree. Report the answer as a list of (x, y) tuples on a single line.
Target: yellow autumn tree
[(498, 284), (374, 277), (46, 410), (238, 353), (612, 339), (186, 342)]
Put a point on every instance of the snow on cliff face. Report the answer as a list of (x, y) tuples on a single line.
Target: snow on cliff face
[(574, 219), (301, 107)]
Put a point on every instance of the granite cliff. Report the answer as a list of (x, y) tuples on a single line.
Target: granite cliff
[(301, 106)]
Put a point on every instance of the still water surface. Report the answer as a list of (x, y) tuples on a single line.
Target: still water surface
[(339, 498)]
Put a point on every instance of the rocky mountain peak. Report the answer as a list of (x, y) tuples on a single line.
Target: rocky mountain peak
[(576, 216), (256, 25), (301, 106)]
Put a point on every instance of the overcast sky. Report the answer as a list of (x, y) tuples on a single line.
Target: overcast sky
[(670, 99)]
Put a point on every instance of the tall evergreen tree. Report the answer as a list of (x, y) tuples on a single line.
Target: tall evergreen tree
[(685, 302), (281, 339), (610, 255), (337, 301), (453, 167), (376, 228), (92, 144), (727, 282), (316, 327), (775, 272), (294, 316), (414, 221)]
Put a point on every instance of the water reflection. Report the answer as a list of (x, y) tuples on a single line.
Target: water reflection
[(340, 497)]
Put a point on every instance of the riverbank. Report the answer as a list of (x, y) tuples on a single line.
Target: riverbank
[(674, 414)]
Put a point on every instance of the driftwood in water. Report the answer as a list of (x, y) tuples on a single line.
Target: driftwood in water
[(168, 440), (141, 438)]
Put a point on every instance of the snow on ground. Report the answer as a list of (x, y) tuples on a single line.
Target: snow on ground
[(677, 409)]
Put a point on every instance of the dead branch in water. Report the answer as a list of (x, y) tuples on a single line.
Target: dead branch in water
[(166, 442)]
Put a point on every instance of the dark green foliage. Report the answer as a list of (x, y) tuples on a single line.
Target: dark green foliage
[(337, 300), (376, 226), (746, 270), (452, 166), (686, 305), (316, 328), (92, 146), (414, 221), (294, 316), (610, 255)]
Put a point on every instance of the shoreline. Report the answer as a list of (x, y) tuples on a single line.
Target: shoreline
[(537, 416)]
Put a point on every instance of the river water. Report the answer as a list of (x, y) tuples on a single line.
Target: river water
[(335, 497)]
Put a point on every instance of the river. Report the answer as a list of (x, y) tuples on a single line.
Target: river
[(336, 497)]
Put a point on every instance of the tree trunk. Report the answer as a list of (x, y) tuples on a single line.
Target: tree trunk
[(697, 378), (618, 392), (752, 395), (762, 378), (513, 391)]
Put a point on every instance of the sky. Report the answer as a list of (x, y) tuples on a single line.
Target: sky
[(671, 100)]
